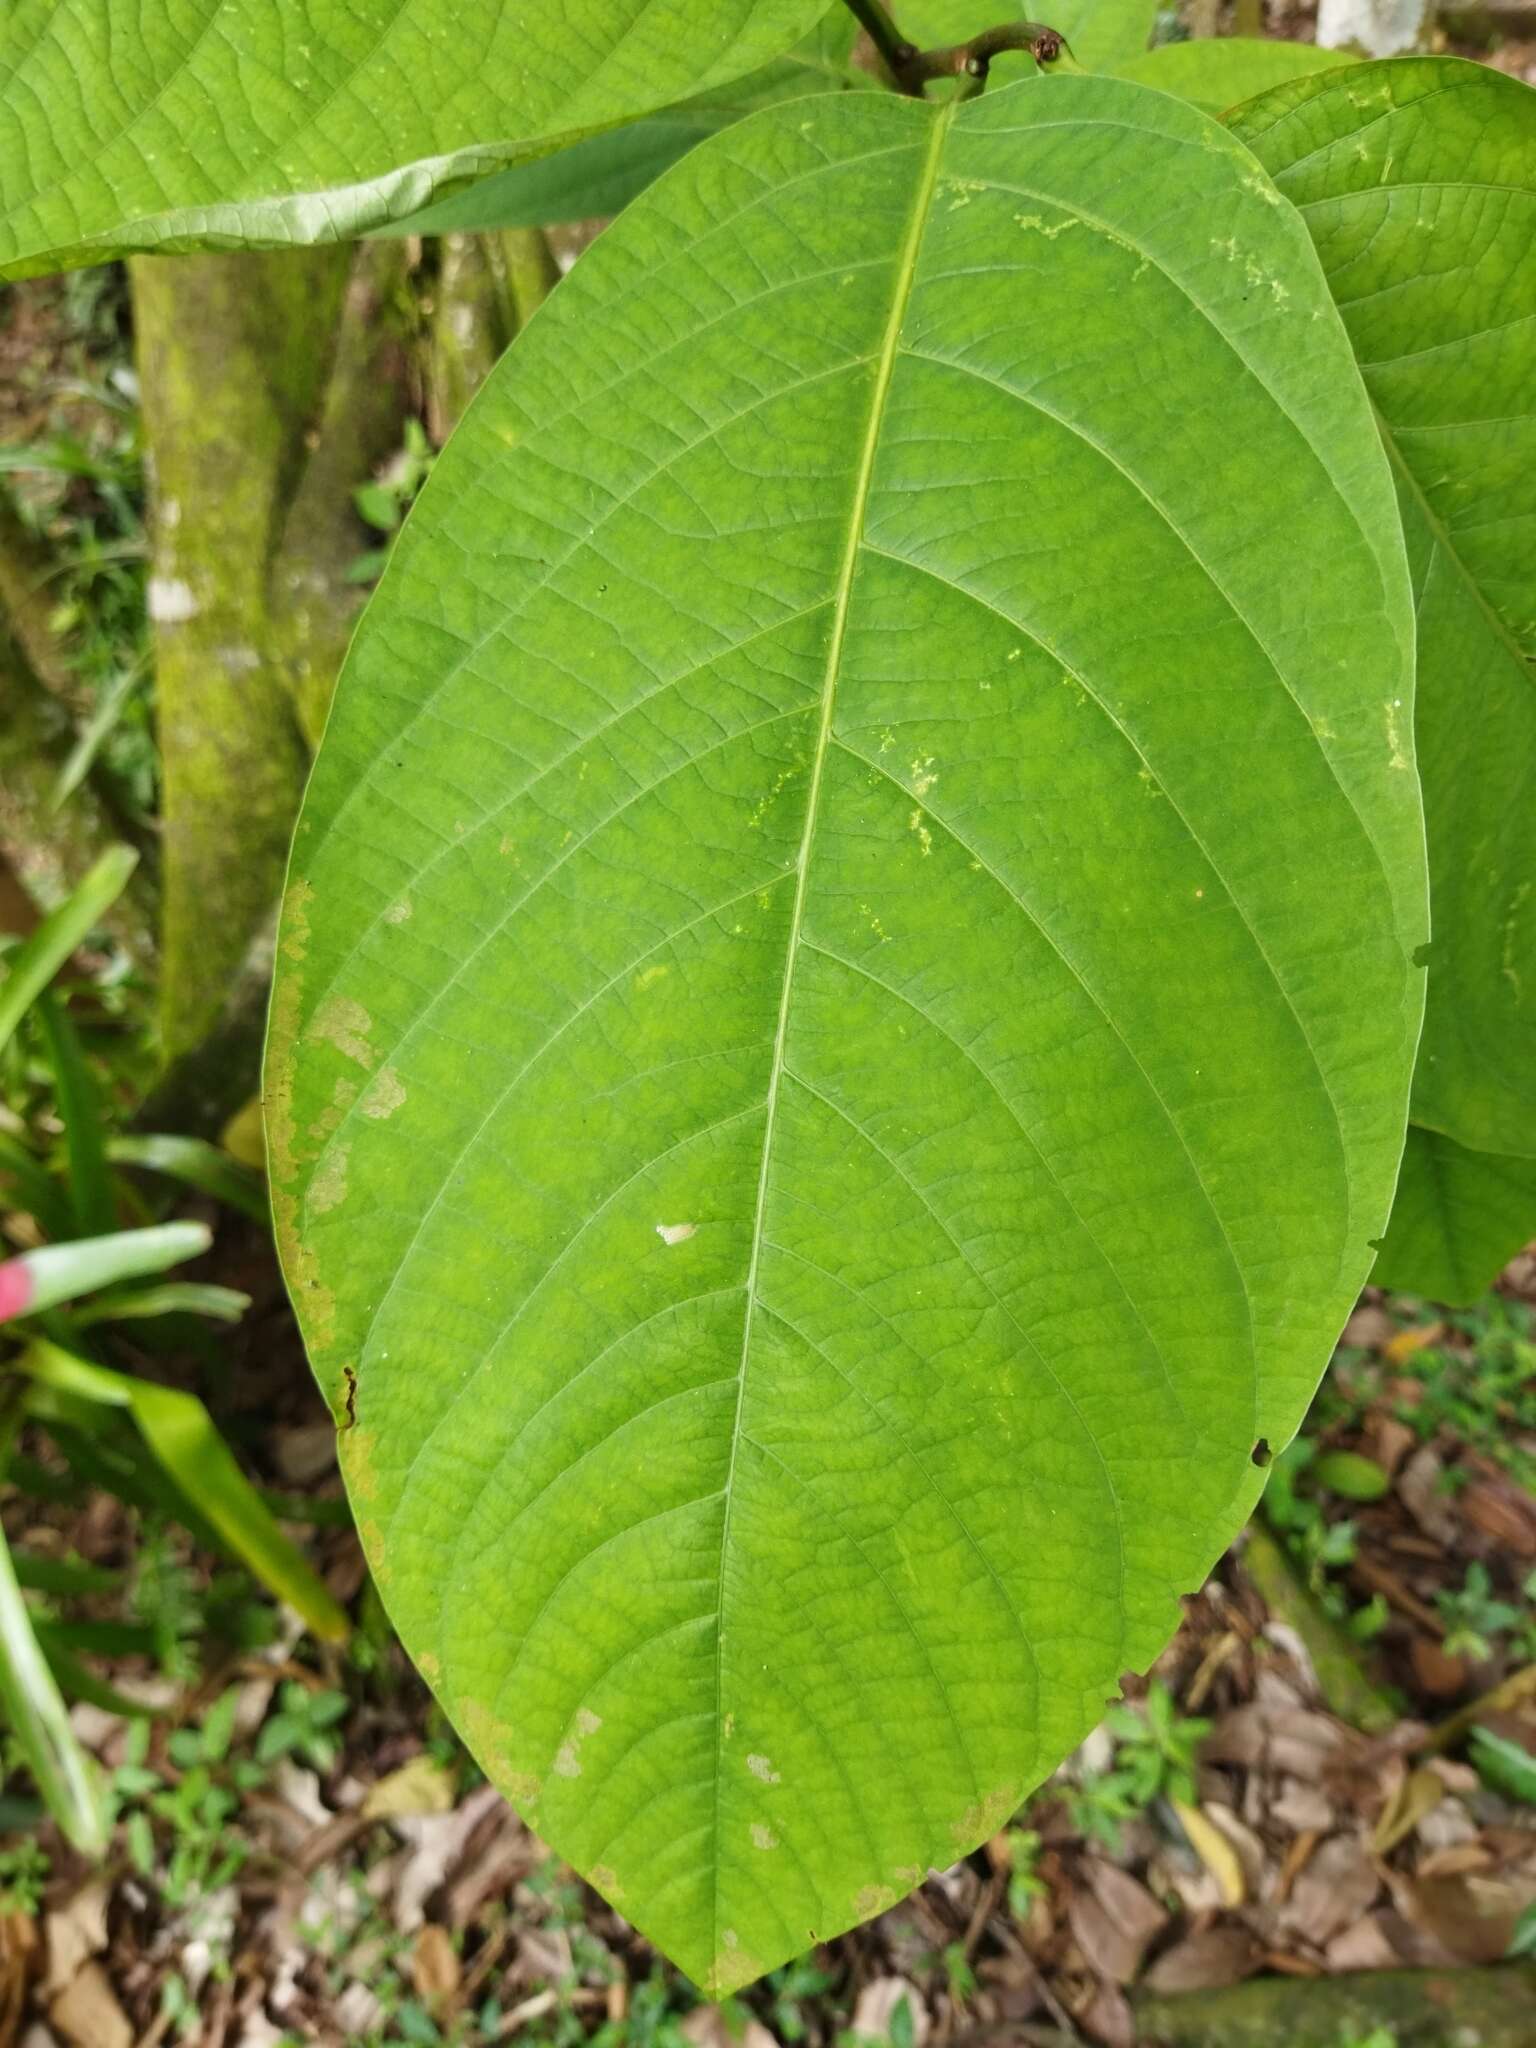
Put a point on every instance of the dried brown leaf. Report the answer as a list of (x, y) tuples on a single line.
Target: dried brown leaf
[(1415, 1794), (87, 2014), (1204, 1961), (1339, 1885), (434, 1963), (1215, 1852)]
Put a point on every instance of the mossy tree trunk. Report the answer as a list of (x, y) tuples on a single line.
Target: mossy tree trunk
[(488, 286), (1492, 2008), (271, 385)]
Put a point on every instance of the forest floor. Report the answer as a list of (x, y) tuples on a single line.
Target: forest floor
[(1330, 1770)]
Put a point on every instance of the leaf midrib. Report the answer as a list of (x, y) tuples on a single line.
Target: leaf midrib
[(903, 276)]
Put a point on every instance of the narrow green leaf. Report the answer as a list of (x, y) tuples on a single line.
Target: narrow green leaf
[(181, 1434), (81, 1683), (1217, 72), (1417, 179), (1351, 1476), (78, 1104), (26, 1183), (1458, 1219), (196, 1164), (177, 1297), (1504, 1765), (112, 700), (66, 1575), (186, 124), (41, 1279), (66, 1777), (926, 912), (27, 970)]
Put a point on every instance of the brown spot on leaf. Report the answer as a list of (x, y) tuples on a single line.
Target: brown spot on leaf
[(341, 1022), (985, 1817), (385, 1096), (328, 1189), (357, 1447)]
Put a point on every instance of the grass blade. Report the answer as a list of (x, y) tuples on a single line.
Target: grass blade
[(79, 1107), (38, 1280), (38, 959), (34, 1707), (176, 1297), (196, 1164), (183, 1438)]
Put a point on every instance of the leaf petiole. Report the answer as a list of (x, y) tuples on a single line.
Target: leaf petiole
[(911, 68)]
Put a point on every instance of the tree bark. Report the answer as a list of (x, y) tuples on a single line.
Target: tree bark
[(488, 287), (271, 385), (1421, 2008)]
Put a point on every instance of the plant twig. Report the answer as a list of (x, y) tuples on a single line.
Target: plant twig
[(912, 68), (896, 53), (973, 60)]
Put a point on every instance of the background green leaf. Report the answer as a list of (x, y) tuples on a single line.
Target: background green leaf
[(924, 909), (1459, 1217), (1417, 179), (1103, 33), (221, 123), (1217, 72)]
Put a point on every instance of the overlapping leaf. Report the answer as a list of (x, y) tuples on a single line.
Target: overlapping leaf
[(1417, 179), (215, 123), (844, 1019), (602, 174), (1217, 72), (1458, 1217)]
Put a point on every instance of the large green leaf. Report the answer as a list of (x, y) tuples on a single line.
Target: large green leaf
[(180, 124), (602, 174), (1217, 72), (1459, 1217), (1417, 178), (844, 1022)]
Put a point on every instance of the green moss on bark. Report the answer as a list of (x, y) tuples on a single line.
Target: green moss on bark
[(270, 387)]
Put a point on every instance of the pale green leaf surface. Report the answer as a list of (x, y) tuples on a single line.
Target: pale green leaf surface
[(225, 123), (602, 174), (1217, 72), (1417, 179), (1458, 1219), (843, 1021)]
